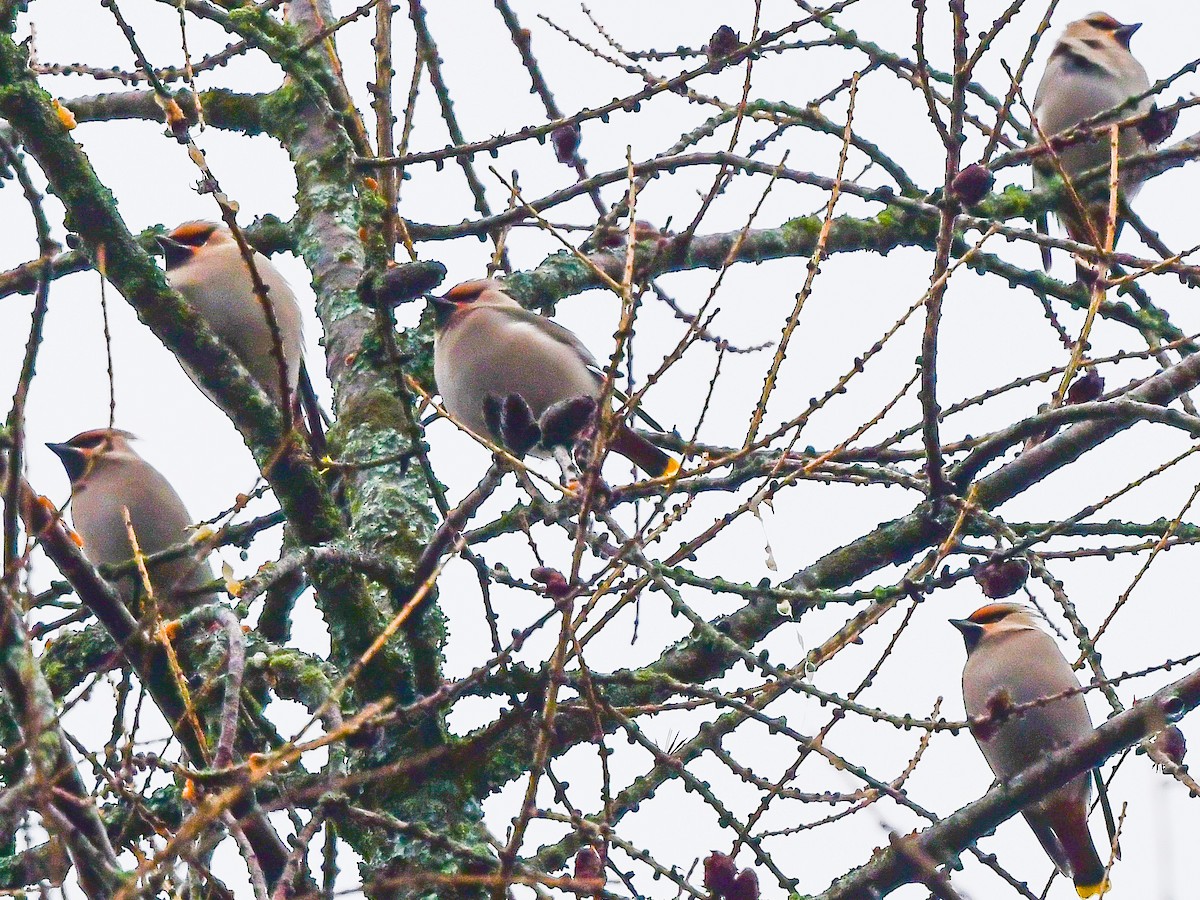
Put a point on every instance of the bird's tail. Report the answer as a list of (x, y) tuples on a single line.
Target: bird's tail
[(1088, 872), (643, 454), (1043, 227), (310, 414), (1081, 231), (1087, 869)]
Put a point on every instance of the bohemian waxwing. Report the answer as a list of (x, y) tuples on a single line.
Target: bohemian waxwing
[(1090, 71), (1012, 662), (205, 264), (487, 345), (107, 475)]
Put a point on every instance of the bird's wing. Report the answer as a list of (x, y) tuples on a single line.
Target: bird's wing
[(552, 330)]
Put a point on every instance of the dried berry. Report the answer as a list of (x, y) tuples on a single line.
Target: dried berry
[(1087, 387), (1002, 578), (971, 184), (723, 42), (565, 139), (720, 873)]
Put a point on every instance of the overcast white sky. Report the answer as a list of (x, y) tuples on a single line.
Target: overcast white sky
[(990, 336)]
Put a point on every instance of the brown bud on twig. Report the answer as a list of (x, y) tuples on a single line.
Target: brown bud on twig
[(1158, 126), (565, 139), (723, 42), (971, 184), (1087, 387), (1002, 578), (720, 873)]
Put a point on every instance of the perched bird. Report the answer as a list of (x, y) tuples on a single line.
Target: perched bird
[(488, 348), (1012, 662), (108, 475), (205, 264), (1090, 71)]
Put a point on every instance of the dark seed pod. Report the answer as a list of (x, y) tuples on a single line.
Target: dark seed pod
[(1002, 578), (1171, 743), (971, 184), (518, 429), (1159, 125), (562, 423), (745, 887), (723, 42), (565, 139), (1087, 387), (554, 580), (364, 738), (405, 283), (720, 874)]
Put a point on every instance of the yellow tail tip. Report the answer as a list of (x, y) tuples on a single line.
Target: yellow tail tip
[(1091, 890), (671, 469)]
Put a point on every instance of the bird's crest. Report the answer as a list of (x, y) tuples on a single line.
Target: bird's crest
[(469, 291), (994, 612), (98, 437), (1103, 21), (193, 234)]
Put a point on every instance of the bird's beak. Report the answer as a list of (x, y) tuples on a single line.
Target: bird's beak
[(443, 309), (1126, 32), (72, 458), (175, 252), (971, 631)]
